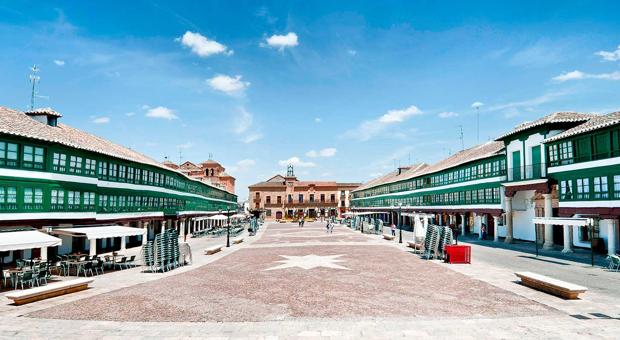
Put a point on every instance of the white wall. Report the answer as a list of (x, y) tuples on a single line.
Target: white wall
[(603, 233), (526, 155), (523, 213)]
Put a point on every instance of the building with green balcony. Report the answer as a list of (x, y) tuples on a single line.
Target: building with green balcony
[(53, 175), (463, 189), (584, 161)]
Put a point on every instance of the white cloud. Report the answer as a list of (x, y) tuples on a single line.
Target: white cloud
[(161, 112), (296, 161), (327, 152), (448, 114), (59, 62), (129, 114), (371, 128), (578, 75), (245, 163), (352, 52), (251, 138), (282, 41), (243, 121), (101, 120), (203, 46), (185, 145), (229, 85), (476, 105), (610, 56), (145, 107), (397, 116), (317, 120), (528, 103)]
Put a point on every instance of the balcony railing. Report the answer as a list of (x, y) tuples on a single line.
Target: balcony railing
[(527, 172)]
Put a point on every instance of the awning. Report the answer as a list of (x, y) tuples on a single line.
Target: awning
[(218, 217), (93, 233), (576, 221), (26, 239)]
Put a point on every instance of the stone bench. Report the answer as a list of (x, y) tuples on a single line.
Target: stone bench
[(550, 285), (237, 240), (214, 249), (388, 237), (49, 291)]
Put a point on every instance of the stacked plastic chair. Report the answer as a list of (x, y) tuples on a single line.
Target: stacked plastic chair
[(431, 241), (147, 256), (446, 239)]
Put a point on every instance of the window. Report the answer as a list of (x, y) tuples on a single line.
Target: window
[(566, 152), (8, 198), (130, 174), (33, 198), (73, 199), (11, 195), (89, 166), (57, 199), (583, 188), (553, 154), (8, 154), (59, 162), (487, 169), (301, 198), (279, 200), (145, 176), (311, 198), (89, 199), (75, 165), (268, 200), (566, 190), (103, 201), (33, 157), (156, 178), (332, 198), (28, 195), (151, 177), (600, 187), (617, 186), (113, 170), (103, 170), (122, 172)]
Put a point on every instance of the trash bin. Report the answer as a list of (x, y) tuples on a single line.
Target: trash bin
[(458, 254)]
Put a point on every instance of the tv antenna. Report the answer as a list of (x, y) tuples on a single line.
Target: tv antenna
[(34, 79), (477, 106), (180, 156), (461, 138)]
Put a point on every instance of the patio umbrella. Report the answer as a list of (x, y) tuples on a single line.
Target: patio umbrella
[(218, 217), (238, 216)]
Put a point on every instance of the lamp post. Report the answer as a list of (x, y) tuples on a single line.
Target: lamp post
[(228, 227), (400, 225)]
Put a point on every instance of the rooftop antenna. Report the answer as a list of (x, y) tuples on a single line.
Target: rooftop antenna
[(210, 156), (461, 137), (477, 106), (34, 79), (180, 156)]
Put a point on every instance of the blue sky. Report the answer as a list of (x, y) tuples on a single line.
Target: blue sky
[(342, 89)]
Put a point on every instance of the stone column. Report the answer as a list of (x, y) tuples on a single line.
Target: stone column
[(463, 224), (612, 228), (568, 240), (548, 227), (508, 201), (163, 226), (474, 225), (123, 243), (182, 228), (43, 254), (93, 247), (496, 228), (440, 219)]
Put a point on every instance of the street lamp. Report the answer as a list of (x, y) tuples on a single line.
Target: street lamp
[(400, 225), (228, 227)]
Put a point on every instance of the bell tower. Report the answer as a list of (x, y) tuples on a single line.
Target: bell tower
[(289, 171)]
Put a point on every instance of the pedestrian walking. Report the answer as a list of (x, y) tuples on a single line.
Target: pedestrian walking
[(393, 228), (483, 230), (327, 227)]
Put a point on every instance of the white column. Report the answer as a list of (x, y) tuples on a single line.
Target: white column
[(474, 226), (548, 227), (123, 243), (508, 201), (93, 247), (163, 226), (482, 219), (440, 219), (182, 228), (568, 240), (463, 224), (612, 227), (43, 254), (496, 228)]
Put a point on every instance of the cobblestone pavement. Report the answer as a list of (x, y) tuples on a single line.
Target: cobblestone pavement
[(340, 286)]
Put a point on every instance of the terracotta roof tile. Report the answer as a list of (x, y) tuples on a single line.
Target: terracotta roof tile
[(557, 117), (595, 123), (475, 153), (394, 176)]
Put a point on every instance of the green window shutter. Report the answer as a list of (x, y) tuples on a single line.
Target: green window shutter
[(583, 149), (601, 146)]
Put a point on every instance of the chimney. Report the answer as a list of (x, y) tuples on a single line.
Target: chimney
[(44, 115)]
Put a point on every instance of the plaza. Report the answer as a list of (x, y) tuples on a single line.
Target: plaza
[(292, 282)]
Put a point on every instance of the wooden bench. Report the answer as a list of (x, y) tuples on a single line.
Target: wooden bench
[(388, 237), (237, 240), (550, 285), (214, 249), (49, 291)]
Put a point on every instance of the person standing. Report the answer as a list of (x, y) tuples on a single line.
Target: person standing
[(483, 230), (393, 228)]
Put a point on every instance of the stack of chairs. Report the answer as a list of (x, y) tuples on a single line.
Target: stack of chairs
[(431, 241), (446, 239), (148, 256), (163, 253)]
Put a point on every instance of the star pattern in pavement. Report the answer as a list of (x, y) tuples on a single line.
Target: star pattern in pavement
[(309, 262)]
